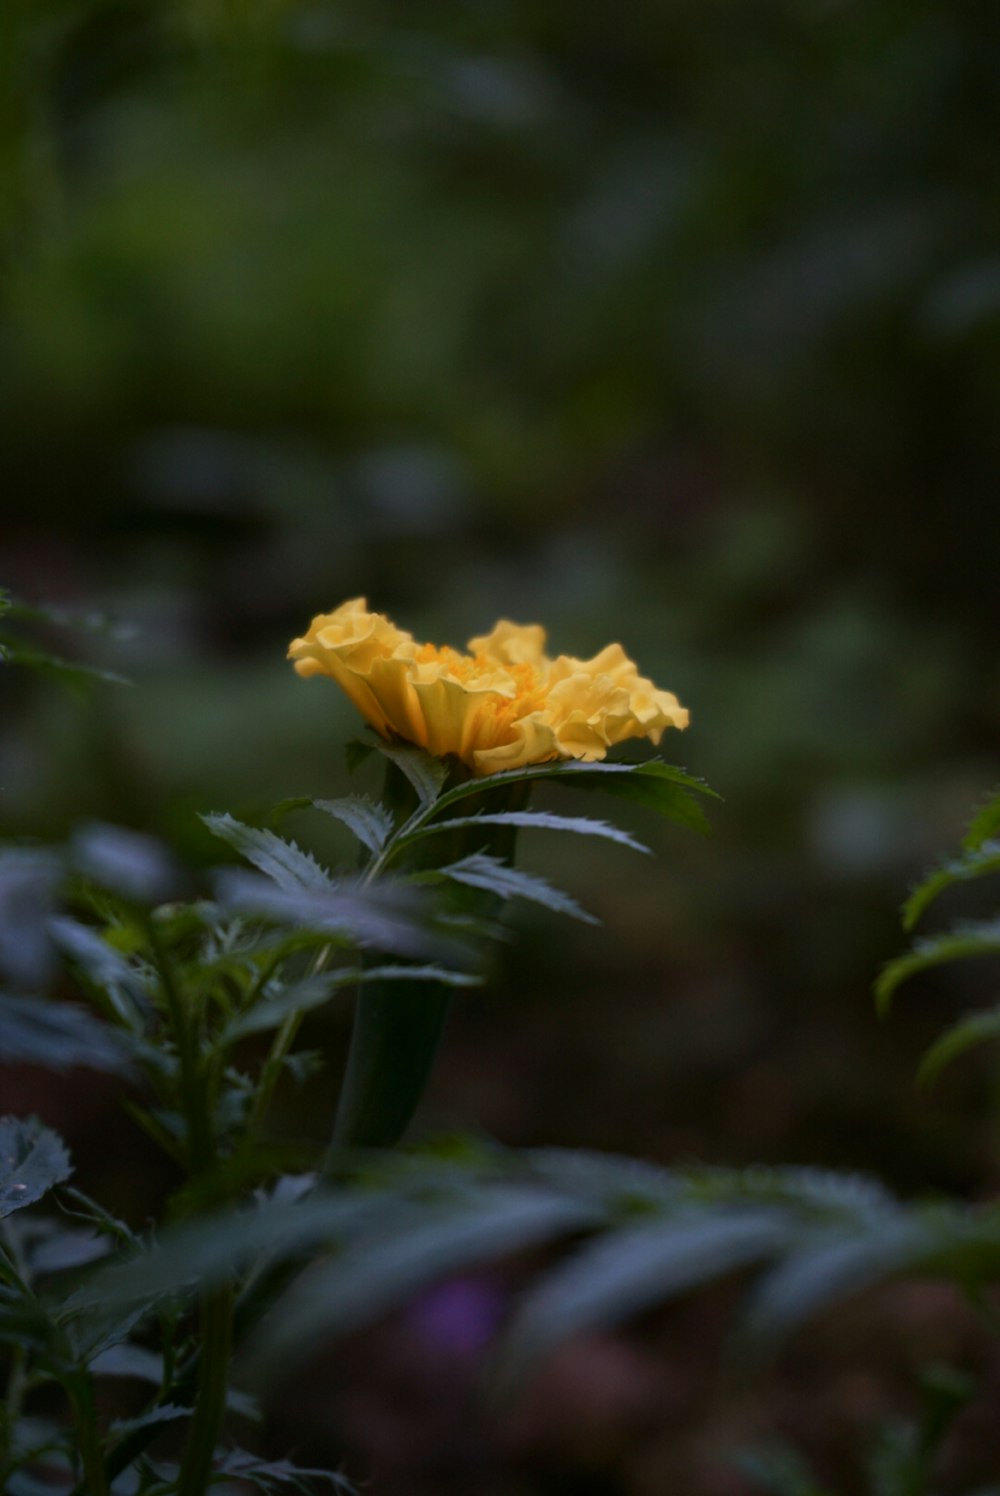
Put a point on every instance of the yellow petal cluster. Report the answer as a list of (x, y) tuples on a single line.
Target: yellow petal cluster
[(502, 705)]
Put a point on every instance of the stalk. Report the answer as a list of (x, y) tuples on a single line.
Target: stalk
[(213, 1383), (398, 1025), (397, 1030), (95, 1475)]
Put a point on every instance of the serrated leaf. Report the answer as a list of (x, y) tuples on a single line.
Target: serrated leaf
[(371, 823), (66, 1248), (101, 965), (631, 1269), (277, 1475), (70, 670), (572, 769), (56, 1035), (162, 1413), (962, 1036), (622, 1183), (382, 915), (816, 1276), (976, 938), (807, 1190), (980, 863), (312, 992), (33, 1158), (985, 824), (655, 786), (426, 774), (129, 863), (293, 870), (538, 820), (480, 870), (211, 1250), (132, 1361), (421, 1244), (90, 619)]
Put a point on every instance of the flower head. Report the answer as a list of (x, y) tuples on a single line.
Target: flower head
[(502, 705)]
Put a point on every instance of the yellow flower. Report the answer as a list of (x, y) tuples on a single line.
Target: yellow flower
[(501, 706)]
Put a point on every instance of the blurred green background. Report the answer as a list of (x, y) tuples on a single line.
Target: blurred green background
[(671, 323)]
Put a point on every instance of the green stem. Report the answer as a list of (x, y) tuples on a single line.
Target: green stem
[(398, 1025), (397, 1029), (193, 1097), (213, 1382), (13, 1275), (280, 1046), (493, 788), (282, 1043), (81, 1395)]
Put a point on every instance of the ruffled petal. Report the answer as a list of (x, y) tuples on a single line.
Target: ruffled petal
[(501, 707), (512, 643)]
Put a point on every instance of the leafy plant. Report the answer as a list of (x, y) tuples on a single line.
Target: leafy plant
[(963, 941), (181, 982), (19, 622)]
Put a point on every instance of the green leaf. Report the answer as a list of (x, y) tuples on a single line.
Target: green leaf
[(985, 824), (278, 1475), (977, 938), (132, 1361), (631, 1269), (480, 870), (68, 670), (102, 967), (293, 870), (214, 1248), (57, 1035), (371, 823), (162, 1413), (129, 863), (287, 807), (312, 992), (426, 774), (980, 863), (90, 619), (836, 1266), (424, 1242), (969, 1032), (32, 1159), (382, 915), (540, 820), (571, 769), (654, 785)]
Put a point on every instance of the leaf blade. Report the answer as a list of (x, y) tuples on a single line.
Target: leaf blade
[(33, 1159), (480, 870), (540, 820), (58, 1036), (618, 1275), (370, 821), (964, 942), (282, 861), (979, 862)]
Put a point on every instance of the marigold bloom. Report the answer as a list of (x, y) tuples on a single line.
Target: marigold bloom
[(501, 706)]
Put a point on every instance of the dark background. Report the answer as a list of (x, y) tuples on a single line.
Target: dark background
[(671, 323)]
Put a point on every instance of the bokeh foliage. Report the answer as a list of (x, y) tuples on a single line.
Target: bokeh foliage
[(675, 322)]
